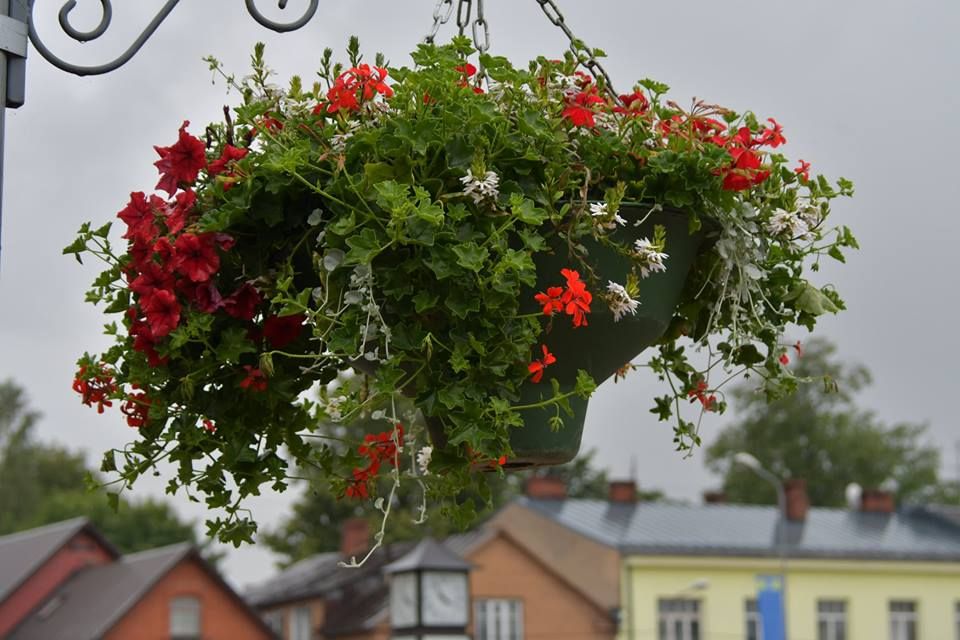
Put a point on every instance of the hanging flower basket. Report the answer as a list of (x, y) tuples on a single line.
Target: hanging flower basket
[(490, 245)]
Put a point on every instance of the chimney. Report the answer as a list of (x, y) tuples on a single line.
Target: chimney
[(877, 501), (798, 503), (624, 491), (714, 497), (354, 537), (546, 488)]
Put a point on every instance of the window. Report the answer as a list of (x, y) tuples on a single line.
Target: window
[(752, 617), (679, 619), (903, 620), (831, 620), (274, 620), (185, 618), (498, 620), (300, 624)]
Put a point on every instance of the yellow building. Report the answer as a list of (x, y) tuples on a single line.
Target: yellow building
[(692, 572)]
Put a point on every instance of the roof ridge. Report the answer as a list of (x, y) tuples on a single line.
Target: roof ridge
[(66, 525), (157, 551)]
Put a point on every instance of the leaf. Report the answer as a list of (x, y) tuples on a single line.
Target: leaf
[(747, 355), (363, 248), (808, 298), (471, 256), (233, 344)]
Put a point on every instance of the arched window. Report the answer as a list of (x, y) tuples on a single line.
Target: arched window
[(185, 618)]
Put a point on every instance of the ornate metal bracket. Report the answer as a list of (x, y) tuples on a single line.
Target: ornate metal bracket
[(106, 8)]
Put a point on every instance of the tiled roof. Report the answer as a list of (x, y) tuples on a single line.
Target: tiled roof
[(91, 602), (747, 530), (357, 598), (21, 554)]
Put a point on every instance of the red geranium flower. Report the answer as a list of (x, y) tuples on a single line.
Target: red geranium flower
[(550, 301), (803, 171), (180, 163), (162, 311), (537, 367), (784, 359), (255, 381), (745, 172), (137, 409), (634, 104), (282, 330), (772, 135), (576, 299), (196, 256), (242, 303), (580, 110), (95, 386)]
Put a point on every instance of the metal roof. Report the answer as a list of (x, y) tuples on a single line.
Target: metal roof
[(750, 530), (21, 554)]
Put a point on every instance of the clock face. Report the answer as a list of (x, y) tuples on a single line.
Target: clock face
[(445, 599), (403, 600)]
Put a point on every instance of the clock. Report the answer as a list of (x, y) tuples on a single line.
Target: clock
[(404, 598), (445, 599)]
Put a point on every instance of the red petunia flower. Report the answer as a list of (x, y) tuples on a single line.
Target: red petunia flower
[(242, 304), (230, 154), (803, 171), (139, 215), (204, 296), (175, 216), (152, 276), (282, 330), (162, 311), (537, 367), (181, 162), (580, 110), (196, 256), (255, 381)]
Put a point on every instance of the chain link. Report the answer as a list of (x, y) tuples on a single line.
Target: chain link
[(480, 26), (441, 15), (463, 17), (583, 53)]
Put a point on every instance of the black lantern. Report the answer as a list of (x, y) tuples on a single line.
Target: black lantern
[(429, 594)]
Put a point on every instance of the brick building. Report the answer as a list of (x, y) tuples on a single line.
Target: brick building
[(66, 582)]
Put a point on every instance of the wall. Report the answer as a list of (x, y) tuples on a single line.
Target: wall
[(591, 565), (317, 613), (551, 607), (80, 551), (867, 588), (221, 616)]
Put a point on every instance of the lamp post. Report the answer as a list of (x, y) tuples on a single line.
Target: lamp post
[(750, 462), (429, 594)]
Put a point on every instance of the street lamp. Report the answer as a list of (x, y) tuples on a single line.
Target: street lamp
[(429, 594), (750, 462)]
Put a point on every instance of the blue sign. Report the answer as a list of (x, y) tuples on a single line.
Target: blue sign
[(770, 607)]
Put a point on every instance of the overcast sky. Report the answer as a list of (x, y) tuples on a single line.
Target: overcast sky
[(865, 89)]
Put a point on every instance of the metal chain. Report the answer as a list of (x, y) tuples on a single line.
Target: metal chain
[(441, 15), (482, 44), (463, 17), (591, 63)]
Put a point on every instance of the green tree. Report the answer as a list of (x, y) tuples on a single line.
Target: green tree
[(821, 435), (42, 483)]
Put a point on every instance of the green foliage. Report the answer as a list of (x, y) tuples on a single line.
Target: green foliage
[(41, 484), (820, 434), (401, 227)]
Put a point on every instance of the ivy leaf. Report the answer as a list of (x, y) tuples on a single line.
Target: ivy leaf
[(233, 344), (363, 248)]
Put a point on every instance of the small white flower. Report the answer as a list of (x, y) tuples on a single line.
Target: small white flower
[(602, 210), (480, 189), (423, 459), (789, 223), (620, 302), (650, 260), (619, 220), (598, 209)]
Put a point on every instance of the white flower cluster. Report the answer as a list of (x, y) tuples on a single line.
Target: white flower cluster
[(338, 143), (423, 460), (791, 224), (601, 211), (480, 189), (334, 408), (620, 302), (649, 259)]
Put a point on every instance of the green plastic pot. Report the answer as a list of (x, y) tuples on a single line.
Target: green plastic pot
[(603, 346)]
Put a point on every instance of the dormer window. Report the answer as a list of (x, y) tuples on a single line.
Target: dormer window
[(185, 618)]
